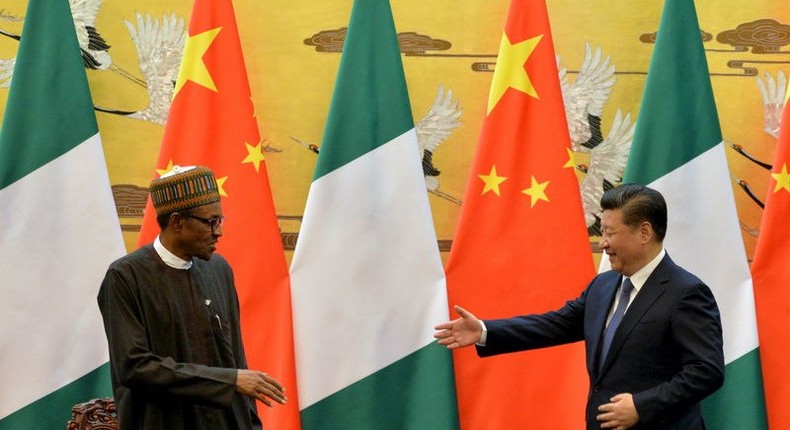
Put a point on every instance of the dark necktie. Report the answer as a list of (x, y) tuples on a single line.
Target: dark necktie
[(617, 316)]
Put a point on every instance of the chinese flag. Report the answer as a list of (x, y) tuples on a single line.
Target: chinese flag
[(771, 277), (212, 123), (521, 245)]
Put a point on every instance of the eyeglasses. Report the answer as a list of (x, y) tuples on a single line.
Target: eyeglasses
[(214, 223)]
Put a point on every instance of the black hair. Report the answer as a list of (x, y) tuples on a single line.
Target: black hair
[(638, 203)]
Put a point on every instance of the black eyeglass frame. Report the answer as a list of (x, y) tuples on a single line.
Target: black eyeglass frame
[(214, 223)]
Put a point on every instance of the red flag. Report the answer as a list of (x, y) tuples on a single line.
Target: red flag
[(212, 123), (521, 245), (771, 277)]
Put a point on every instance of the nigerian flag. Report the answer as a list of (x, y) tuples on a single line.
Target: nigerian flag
[(678, 151), (366, 279), (59, 230)]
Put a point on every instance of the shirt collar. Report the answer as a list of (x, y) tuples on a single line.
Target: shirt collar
[(169, 258), (640, 277)]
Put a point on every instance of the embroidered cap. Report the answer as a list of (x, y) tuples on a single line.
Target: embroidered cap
[(184, 188)]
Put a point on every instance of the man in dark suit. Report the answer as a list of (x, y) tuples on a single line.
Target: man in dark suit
[(652, 330)]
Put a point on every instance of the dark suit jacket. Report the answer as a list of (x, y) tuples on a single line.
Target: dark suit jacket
[(667, 351)]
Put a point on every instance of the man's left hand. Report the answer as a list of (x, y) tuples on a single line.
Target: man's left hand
[(620, 414), (260, 386)]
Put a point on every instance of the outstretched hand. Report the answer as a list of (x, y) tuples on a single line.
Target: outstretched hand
[(260, 386), (460, 332)]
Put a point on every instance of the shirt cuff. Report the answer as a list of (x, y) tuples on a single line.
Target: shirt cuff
[(483, 336)]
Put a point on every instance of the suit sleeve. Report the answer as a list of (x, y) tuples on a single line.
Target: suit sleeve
[(137, 367), (697, 333)]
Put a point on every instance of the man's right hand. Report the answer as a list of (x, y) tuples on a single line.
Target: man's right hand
[(260, 386), (459, 332)]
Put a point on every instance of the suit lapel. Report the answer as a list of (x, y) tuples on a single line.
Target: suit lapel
[(644, 300)]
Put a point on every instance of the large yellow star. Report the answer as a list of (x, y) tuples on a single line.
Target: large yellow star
[(492, 181), (537, 191), (192, 66), (166, 169), (254, 155), (782, 179), (220, 183), (509, 71)]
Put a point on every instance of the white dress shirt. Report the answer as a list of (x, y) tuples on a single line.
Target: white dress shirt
[(638, 279)]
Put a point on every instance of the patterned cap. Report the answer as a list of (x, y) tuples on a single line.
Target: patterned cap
[(184, 188)]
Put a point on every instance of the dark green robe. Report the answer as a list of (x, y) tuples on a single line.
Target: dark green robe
[(175, 344)]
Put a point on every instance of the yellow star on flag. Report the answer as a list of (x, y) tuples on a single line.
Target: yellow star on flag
[(220, 183), (192, 66), (509, 71), (782, 179), (254, 155), (571, 159), (492, 181), (537, 191), (169, 167)]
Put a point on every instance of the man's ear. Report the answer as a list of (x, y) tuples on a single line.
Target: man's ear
[(646, 231), (175, 221)]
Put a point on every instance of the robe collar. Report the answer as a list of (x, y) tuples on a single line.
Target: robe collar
[(169, 258)]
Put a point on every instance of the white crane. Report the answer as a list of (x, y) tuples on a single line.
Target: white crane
[(584, 101), (160, 44), (586, 97)]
